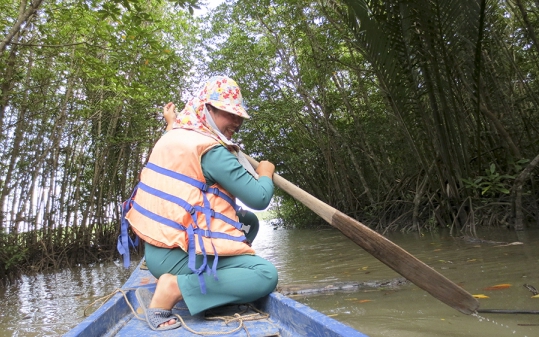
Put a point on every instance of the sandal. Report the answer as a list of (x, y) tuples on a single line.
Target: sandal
[(155, 316)]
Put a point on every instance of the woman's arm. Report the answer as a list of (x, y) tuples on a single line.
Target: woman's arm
[(222, 167)]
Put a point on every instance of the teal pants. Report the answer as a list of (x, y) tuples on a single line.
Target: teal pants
[(240, 279)]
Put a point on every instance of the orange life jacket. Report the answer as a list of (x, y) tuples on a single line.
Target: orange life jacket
[(173, 207)]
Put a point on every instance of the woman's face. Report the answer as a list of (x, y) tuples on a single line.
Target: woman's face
[(226, 122)]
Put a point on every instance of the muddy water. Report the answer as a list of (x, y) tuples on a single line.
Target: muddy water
[(50, 304), (409, 311)]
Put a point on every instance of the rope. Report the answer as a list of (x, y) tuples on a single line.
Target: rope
[(105, 298), (237, 317), (258, 315)]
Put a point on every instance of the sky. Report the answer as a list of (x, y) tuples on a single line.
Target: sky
[(210, 4)]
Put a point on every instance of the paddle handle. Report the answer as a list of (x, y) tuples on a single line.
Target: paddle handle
[(322, 209), (383, 249)]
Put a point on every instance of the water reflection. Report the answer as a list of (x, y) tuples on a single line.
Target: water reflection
[(51, 304)]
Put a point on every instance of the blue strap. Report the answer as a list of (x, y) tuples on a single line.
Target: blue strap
[(192, 258), (188, 207), (220, 216), (134, 244), (157, 217), (169, 197), (200, 185), (217, 235), (214, 265), (207, 212), (124, 241), (204, 267)]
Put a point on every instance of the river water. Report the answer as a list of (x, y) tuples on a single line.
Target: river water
[(52, 303)]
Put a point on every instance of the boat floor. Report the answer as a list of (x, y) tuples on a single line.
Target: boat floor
[(223, 323)]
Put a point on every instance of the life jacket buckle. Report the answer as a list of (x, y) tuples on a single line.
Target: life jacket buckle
[(245, 228)]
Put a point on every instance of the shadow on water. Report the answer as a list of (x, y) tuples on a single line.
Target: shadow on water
[(51, 304)]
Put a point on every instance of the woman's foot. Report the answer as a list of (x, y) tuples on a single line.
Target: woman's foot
[(167, 294), (157, 318)]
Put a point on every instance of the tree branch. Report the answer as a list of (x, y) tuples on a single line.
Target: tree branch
[(16, 28)]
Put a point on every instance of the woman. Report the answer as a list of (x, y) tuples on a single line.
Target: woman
[(197, 242)]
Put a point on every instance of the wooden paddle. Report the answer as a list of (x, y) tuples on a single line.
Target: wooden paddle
[(384, 250)]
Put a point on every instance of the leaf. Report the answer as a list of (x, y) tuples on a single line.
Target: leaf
[(480, 296), (535, 296), (499, 286), (364, 301)]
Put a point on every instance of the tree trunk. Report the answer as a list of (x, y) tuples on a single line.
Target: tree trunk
[(517, 190)]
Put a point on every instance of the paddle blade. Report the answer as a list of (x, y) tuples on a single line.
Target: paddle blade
[(405, 264)]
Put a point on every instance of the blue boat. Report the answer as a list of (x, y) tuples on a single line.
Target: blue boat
[(273, 315)]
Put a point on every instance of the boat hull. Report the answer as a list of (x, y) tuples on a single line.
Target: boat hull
[(286, 317)]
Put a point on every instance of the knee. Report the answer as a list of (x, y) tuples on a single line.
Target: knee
[(269, 273)]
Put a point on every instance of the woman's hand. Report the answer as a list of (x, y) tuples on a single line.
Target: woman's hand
[(169, 112), (265, 168)]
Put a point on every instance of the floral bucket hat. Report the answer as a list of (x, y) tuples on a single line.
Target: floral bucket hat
[(224, 93), (219, 91)]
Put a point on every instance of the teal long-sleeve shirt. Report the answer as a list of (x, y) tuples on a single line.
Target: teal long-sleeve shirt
[(222, 167)]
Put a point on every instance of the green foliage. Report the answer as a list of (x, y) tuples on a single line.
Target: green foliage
[(346, 113), (114, 9), (12, 255), (82, 91), (292, 214), (492, 184), (376, 108)]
